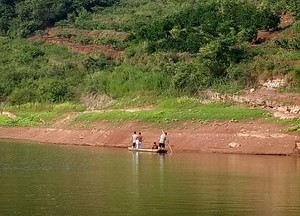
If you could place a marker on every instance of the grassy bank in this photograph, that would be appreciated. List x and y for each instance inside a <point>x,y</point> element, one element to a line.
<point>164,111</point>
<point>36,114</point>
<point>151,110</point>
<point>203,113</point>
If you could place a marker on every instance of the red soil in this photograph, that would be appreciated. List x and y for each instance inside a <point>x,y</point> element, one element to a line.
<point>51,37</point>
<point>251,137</point>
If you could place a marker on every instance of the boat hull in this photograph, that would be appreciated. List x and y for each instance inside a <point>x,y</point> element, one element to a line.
<point>160,151</point>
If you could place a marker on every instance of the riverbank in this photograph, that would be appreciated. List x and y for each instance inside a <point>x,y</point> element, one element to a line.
<point>251,137</point>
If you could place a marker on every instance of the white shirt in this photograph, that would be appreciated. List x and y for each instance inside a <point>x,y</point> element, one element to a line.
<point>163,138</point>
<point>134,136</point>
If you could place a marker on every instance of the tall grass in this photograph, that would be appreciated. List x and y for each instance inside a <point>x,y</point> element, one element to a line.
<point>128,80</point>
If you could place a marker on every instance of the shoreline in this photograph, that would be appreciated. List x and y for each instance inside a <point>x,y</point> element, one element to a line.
<point>249,138</point>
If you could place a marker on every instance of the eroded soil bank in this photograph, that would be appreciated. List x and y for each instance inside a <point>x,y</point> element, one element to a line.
<point>252,137</point>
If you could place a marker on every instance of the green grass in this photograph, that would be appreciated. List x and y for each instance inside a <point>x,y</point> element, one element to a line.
<point>293,125</point>
<point>3,120</point>
<point>37,114</point>
<point>46,107</point>
<point>295,128</point>
<point>24,119</point>
<point>211,112</point>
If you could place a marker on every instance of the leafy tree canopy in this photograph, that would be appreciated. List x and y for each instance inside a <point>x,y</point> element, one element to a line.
<point>20,18</point>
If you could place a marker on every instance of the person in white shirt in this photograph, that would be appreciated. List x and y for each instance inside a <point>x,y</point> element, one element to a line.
<point>133,139</point>
<point>163,140</point>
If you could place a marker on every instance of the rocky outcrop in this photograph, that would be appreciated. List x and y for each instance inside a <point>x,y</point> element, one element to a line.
<point>282,105</point>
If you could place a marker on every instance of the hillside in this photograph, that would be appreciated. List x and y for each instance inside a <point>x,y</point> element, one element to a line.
<point>134,54</point>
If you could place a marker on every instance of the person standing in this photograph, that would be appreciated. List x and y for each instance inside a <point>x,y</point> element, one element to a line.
<point>133,139</point>
<point>139,140</point>
<point>163,140</point>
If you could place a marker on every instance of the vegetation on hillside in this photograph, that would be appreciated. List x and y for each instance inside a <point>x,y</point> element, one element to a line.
<point>20,18</point>
<point>35,72</point>
<point>174,48</point>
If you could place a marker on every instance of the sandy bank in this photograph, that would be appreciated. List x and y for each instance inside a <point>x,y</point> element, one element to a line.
<point>217,137</point>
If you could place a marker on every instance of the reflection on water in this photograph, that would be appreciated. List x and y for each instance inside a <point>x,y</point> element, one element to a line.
<point>62,180</point>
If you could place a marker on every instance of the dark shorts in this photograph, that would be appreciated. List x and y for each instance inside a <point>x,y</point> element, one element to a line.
<point>133,144</point>
<point>162,145</point>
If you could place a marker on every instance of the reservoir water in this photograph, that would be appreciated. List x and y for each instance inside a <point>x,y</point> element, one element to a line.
<point>38,179</point>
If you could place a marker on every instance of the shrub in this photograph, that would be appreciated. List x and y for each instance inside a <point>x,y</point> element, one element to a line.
<point>197,26</point>
<point>288,44</point>
<point>191,77</point>
<point>83,39</point>
<point>22,18</point>
<point>65,34</point>
<point>115,43</point>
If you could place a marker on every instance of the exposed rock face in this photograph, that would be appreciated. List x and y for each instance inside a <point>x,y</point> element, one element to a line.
<point>282,105</point>
<point>275,83</point>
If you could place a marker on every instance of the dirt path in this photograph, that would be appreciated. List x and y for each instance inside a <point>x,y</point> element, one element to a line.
<point>218,137</point>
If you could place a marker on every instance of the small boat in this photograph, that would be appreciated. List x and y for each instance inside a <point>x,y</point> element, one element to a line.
<point>160,151</point>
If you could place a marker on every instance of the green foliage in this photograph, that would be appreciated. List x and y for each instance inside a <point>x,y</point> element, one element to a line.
<point>128,14</point>
<point>197,26</point>
<point>176,48</point>
<point>35,114</point>
<point>115,43</point>
<point>127,80</point>
<point>83,39</point>
<point>23,17</point>
<point>65,34</point>
<point>280,6</point>
<point>97,63</point>
<point>27,119</point>
<point>178,103</point>
<point>289,43</point>
<point>45,107</point>
<point>191,77</point>
<point>32,72</point>
<point>295,128</point>
<point>295,84</point>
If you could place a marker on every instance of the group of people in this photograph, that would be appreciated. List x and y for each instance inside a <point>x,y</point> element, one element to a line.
<point>137,140</point>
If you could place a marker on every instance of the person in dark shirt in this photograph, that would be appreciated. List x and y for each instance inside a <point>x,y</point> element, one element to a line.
<point>139,141</point>
<point>155,146</point>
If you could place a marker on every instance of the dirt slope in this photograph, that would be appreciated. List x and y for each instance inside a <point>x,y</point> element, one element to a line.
<point>51,37</point>
<point>218,137</point>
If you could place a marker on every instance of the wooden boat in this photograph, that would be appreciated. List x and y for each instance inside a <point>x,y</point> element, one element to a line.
<point>160,151</point>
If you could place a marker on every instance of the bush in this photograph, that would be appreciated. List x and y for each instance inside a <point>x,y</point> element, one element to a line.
<point>22,18</point>
<point>65,34</point>
<point>34,72</point>
<point>82,39</point>
<point>22,95</point>
<point>197,26</point>
<point>115,43</point>
<point>191,78</point>
<point>288,44</point>
<point>127,80</point>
